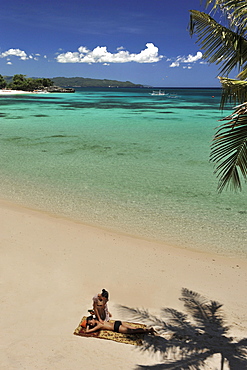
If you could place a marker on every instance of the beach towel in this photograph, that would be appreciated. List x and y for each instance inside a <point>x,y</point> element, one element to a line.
<point>134,339</point>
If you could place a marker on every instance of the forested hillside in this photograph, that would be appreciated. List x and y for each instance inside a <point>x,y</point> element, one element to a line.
<point>90,82</point>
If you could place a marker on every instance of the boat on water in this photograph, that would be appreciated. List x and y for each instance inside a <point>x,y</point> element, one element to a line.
<point>40,92</point>
<point>162,93</point>
<point>158,92</point>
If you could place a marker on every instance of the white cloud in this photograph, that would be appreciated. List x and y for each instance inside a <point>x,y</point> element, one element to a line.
<point>192,58</point>
<point>174,64</point>
<point>101,55</point>
<point>15,52</point>
<point>186,59</point>
<point>21,54</point>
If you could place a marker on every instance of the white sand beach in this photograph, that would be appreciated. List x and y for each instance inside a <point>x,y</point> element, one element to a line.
<point>51,267</point>
<point>6,92</point>
<point>13,92</point>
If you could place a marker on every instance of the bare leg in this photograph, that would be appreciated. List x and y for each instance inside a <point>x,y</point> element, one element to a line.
<point>125,328</point>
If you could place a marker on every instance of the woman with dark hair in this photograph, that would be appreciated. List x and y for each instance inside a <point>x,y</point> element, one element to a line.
<point>100,307</point>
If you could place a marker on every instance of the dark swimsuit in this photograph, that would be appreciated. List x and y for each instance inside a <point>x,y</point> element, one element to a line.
<point>116,326</point>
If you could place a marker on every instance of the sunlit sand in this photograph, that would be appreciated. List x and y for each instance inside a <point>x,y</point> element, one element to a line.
<point>51,268</point>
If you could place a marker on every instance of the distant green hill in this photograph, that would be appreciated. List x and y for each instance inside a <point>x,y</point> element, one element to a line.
<point>83,82</point>
<point>90,82</point>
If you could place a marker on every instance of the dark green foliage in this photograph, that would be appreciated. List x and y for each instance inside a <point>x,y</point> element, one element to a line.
<point>20,82</point>
<point>90,82</point>
<point>229,149</point>
<point>3,83</point>
<point>225,44</point>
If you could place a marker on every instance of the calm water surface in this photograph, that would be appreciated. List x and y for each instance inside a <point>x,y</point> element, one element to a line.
<point>125,160</point>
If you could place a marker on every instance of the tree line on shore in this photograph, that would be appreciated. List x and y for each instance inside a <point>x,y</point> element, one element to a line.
<point>91,82</point>
<point>21,82</point>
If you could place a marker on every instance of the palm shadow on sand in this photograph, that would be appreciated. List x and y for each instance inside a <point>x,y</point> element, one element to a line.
<point>186,340</point>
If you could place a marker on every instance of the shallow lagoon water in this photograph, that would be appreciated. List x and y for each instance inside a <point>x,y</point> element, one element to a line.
<point>125,160</point>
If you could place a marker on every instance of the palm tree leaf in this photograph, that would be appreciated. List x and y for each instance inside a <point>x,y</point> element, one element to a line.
<point>178,324</point>
<point>175,316</point>
<point>229,152</point>
<point>243,74</point>
<point>157,344</point>
<point>221,45</point>
<point>233,91</point>
<point>144,316</point>
<point>243,343</point>
<point>206,314</point>
<point>237,362</point>
<point>234,10</point>
<point>192,299</point>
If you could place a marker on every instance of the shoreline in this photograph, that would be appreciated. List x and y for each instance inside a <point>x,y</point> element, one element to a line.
<point>179,244</point>
<point>52,266</point>
<point>17,92</point>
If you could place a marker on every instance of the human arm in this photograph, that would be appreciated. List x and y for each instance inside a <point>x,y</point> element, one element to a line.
<point>95,328</point>
<point>108,314</point>
<point>97,313</point>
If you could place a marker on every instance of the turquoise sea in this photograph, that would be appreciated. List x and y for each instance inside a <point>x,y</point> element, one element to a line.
<point>125,160</point>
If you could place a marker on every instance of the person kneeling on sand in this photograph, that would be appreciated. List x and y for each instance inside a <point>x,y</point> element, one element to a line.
<point>116,326</point>
<point>100,308</point>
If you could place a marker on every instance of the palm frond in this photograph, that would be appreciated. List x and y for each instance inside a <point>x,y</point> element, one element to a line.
<point>191,295</point>
<point>229,149</point>
<point>220,44</point>
<point>206,313</point>
<point>194,303</point>
<point>233,91</point>
<point>215,315</point>
<point>237,361</point>
<point>243,343</point>
<point>174,316</point>
<point>235,11</point>
<point>156,344</point>
<point>179,325</point>
<point>242,75</point>
<point>144,316</point>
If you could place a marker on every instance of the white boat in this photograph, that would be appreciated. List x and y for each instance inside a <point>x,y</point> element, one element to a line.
<point>40,92</point>
<point>158,92</point>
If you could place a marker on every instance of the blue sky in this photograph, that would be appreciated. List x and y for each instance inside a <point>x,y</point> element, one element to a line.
<point>143,41</point>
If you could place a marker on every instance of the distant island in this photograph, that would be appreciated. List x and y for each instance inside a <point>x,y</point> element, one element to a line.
<point>91,82</point>
<point>58,84</point>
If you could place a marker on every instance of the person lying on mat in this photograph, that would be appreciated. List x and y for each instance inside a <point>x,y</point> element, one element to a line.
<point>117,326</point>
<point>100,308</point>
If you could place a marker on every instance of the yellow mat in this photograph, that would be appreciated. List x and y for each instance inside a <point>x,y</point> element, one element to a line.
<point>134,339</point>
